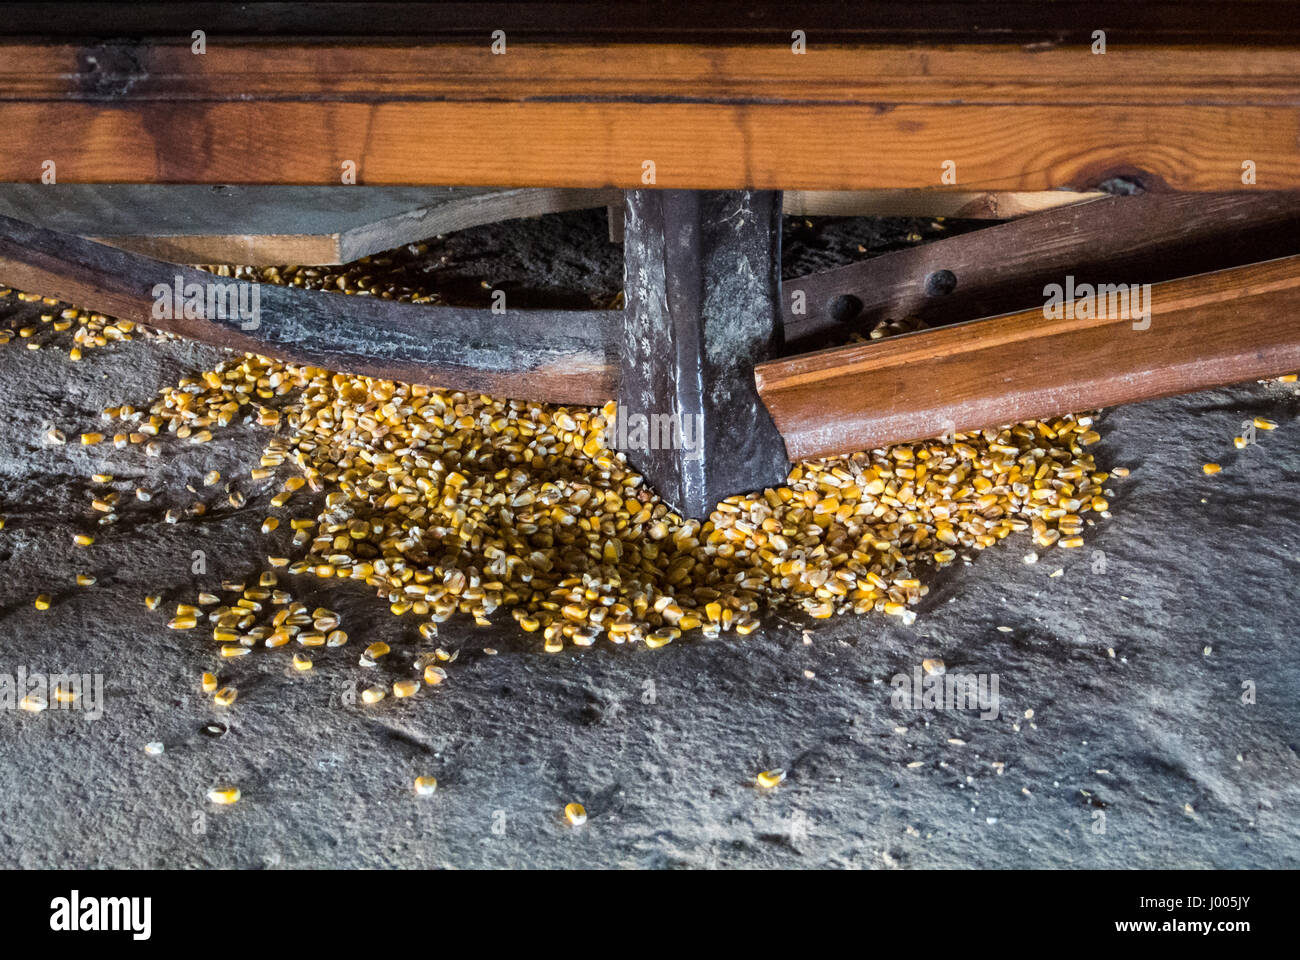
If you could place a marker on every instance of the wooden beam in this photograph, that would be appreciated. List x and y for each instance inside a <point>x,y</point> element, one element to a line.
<point>1204,331</point>
<point>564,356</point>
<point>703,272</point>
<point>1139,239</point>
<point>718,22</point>
<point>261,225</point>
<point>936,202</point>
<point>1000,118</point>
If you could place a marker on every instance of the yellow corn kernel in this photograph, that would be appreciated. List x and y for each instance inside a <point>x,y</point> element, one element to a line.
<point>224,795</point>
<point>575,813</point>
<point>209,683</point>
<point>770,778</point>
<point>434,675</point>
<point>426,785</point>
<point>225,696</point>
<point>405,688</point>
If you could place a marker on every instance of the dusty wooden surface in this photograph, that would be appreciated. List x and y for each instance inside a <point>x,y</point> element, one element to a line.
<point>1141,239</point>
<point>262,225</point>
<point>566,356</point>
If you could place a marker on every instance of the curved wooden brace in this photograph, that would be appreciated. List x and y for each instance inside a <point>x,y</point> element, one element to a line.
<point>561,356</point>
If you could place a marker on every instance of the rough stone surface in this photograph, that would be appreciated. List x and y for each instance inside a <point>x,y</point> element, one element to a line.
<point>662,746</point>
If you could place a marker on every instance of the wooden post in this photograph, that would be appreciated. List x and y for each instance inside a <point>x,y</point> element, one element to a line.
<point>703,292</point>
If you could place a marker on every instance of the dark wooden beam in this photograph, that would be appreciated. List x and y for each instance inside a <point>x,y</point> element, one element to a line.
<point>901,21</point>
<point>1137,239</point>
<point>1204,331</point>
<point>262,225</point>
<point>702,282</point>
<point>561,356</point>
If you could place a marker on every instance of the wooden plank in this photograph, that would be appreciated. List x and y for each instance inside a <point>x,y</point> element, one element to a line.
<point>263,225</point>
<point>1137,239</point>
<point>956,204</point>
<point>847,118</point>
<point>1204,331</point>
<point>259,225</point>
<point>721,21</point>
<point>564,356</point>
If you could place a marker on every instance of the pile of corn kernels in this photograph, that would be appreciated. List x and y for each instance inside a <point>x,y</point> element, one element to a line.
<point>446,503</point>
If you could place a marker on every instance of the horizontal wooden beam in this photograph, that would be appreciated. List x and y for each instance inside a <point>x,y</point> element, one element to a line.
<point>564,356</point>
<point>262,225</point>
<point>992,118</point>
<point>935,202</point>
<point>1203,331</point>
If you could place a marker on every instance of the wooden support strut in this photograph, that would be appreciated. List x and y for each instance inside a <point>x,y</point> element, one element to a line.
<point>1203,331</point>
<point>1138,239</point>
<point>564,356</point>
<point>702,287</point>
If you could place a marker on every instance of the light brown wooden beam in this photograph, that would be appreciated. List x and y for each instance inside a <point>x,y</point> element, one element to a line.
<point>837,118</point>
<point>1205,331</point>
<point>960,204</point>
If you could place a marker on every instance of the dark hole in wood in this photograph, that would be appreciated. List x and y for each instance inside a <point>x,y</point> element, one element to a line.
<point>940,283</point>
<point>844,308</point>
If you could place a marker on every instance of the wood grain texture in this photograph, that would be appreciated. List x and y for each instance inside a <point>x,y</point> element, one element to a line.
<point>1138,239</point>
<point>958,204</point>
<point>703,276</point>
<point>567,356</point>
<point>1205,331</point>
<point>260,225</point>
<point>839,118</point>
